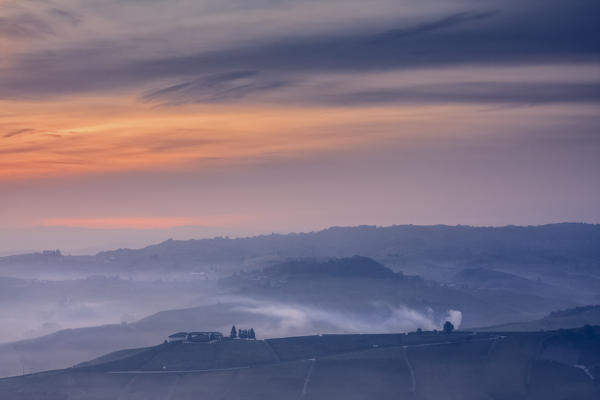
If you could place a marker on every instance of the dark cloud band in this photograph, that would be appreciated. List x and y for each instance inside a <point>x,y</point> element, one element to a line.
<point>559,32</point>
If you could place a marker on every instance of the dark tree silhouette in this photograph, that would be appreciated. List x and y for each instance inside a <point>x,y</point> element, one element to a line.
<point>252,334</point>
<point>448,327</point>
<point>233,333</point>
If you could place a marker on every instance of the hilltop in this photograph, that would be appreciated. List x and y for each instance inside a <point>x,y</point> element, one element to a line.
<point>349,267</point>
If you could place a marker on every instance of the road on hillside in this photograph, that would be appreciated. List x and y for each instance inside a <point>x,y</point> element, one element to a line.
<point>313,360</point>
<point>189,371</point>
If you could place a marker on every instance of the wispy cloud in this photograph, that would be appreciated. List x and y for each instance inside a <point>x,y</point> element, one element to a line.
<point>67,16</point>
<point>192,70</point>
<point>18,132</point>
<point>216,88</point>
<point>445,22</point>
<point>23,26</point>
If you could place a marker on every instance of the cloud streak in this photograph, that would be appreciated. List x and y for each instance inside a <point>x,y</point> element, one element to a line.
<point>476,92</point>
<point>216,88</point>
<point>23,26</point>
<point>67,16</point>
<point>18,132</point>
<point>445,22</point>
<point>511,33</point>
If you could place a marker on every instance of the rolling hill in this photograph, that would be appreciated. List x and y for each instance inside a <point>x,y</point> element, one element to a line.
<point>361,284</point>
<point>542,365</point>
<point>564,254</point>
<point>295,297</point>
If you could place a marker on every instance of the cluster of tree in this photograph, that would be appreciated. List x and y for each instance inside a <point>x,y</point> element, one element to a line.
<point>448,327</point>
<point>242,333</point>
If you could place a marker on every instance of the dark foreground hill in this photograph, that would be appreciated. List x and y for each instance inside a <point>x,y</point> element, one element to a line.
<point>541,365</point>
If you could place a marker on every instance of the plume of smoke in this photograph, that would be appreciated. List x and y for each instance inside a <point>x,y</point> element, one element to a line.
<point>454,316</point>
<point>295,319</point>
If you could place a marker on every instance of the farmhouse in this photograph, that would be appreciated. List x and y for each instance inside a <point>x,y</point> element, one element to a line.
<point>197,337</point>
<point>204,336</point>
<point>177,337</point>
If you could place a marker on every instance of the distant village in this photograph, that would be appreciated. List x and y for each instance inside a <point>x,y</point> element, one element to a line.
<point>210,337</point>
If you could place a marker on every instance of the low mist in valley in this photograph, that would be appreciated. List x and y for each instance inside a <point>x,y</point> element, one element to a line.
<point>299,200</point>
<point>405,278</point>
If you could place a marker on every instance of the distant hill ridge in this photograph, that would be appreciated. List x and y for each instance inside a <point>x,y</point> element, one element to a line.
<point>565,243</point>
<point>539,235</point>
<point>577,311</point>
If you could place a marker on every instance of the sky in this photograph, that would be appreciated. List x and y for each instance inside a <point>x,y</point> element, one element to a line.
<point>128,122</point>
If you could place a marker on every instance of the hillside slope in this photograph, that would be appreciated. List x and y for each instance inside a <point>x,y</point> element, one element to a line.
<point>564,319</point>
<point>299,296</point>
<point>332,367</point>
<point>360,284</point>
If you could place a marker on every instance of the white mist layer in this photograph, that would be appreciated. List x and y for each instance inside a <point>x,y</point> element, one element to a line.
<point>299,319</point>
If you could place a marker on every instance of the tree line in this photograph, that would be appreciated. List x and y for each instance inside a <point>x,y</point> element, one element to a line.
<point>242,333</point>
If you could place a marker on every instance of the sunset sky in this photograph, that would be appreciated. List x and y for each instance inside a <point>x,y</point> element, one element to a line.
<point>126,122</point>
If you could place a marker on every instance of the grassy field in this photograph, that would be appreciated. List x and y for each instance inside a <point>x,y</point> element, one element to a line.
<point>349,367</point>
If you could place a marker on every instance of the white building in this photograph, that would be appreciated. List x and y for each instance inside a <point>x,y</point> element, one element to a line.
<point>177,337</point>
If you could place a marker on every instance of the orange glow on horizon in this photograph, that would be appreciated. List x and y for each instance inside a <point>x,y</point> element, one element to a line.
<point>145,222</point>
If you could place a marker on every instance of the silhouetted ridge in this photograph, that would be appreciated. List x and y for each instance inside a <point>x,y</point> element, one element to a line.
<point>570,312</point>
<point>485,275</point>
